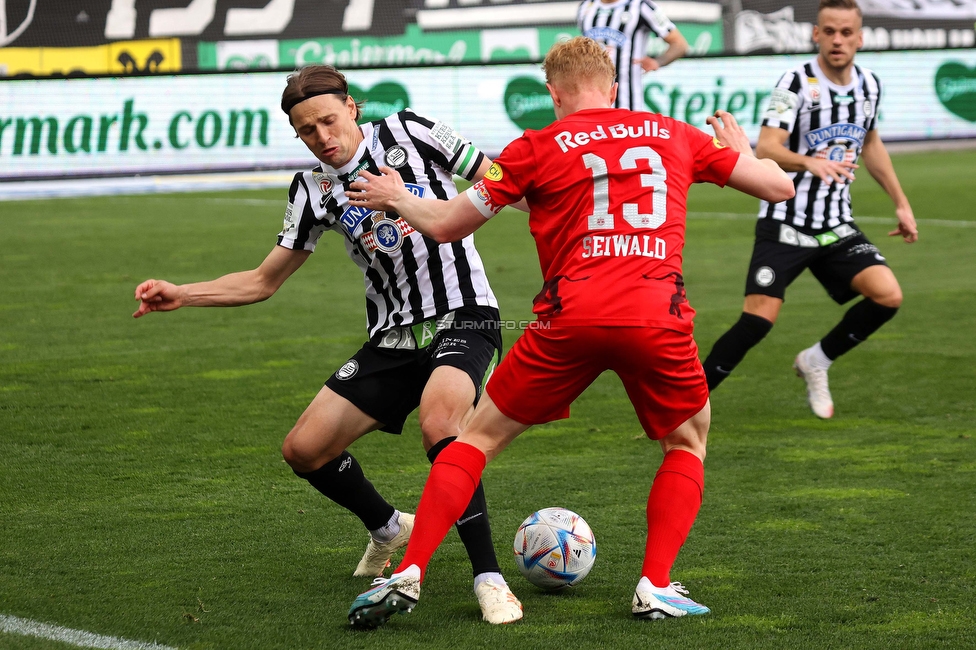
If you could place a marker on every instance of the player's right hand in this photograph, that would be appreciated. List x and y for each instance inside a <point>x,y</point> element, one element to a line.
<point>157,295</point>
<point>830,170</point>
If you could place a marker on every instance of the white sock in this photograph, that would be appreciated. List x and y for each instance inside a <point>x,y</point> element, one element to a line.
<point>818,358</point>
<point>413,571</point>
<point>494,577</point>
<point>646,584</point>
<point>389,531</point>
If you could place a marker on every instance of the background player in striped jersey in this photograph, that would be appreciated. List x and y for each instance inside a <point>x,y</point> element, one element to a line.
<point>432,318</point>
<point>608,191</point>
<point>623,27</point>
<point>822,117</point>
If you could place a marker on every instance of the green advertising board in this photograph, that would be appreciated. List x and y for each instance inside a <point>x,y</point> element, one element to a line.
<point>418,48</point>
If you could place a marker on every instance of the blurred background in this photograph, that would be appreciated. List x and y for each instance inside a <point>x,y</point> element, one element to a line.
<point>108,96</point>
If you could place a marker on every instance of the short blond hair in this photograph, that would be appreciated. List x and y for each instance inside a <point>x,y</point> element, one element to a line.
<point>579,61</point>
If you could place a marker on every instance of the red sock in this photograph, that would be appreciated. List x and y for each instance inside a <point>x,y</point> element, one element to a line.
<point>672,506</point>
<point>452,481</point>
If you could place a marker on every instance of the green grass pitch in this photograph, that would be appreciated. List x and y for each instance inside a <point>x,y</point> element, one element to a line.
<point>143,495</point>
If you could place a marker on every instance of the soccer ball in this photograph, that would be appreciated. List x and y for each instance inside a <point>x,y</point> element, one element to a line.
<point>554,548</point>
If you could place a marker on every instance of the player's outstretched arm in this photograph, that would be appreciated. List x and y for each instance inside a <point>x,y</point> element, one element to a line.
<point>231,290</point>
<point>762,179</point>
<point>442,221</point>
<point>878,162</point>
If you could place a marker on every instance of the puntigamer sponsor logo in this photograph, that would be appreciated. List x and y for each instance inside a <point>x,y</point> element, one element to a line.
<point>850,132</point>
<point>131,130</point>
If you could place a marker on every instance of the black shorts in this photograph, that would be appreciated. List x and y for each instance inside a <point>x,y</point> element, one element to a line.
<point>776,264</point>
<point>386,377</point>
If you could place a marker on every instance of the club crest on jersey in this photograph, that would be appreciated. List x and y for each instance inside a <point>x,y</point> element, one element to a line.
<point>395,157</point>
<point>868,108</point>
<point>814,85</point>
<point>386,233</point>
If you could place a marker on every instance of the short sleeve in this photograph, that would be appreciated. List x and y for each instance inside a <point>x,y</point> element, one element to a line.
<point>713,161</point>
<point>876,109</point>
<point>506,181</point>
<point>785,103</point>
<point>441,144</point>
<point>655,19</point>
<point>301,230</point>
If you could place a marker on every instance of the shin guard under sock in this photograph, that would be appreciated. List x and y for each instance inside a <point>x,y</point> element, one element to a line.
<point>473,526</point>
<point>672,506</point>
<point>453,479</point>
<point>343,481</point>
<point>861,321</point>
<point>732,347</point>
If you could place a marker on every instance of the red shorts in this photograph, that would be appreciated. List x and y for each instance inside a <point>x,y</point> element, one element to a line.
<point>547,369</point>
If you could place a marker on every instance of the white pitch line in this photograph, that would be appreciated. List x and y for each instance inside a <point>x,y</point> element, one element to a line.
<point>80,638</point>
<point>952,223</point>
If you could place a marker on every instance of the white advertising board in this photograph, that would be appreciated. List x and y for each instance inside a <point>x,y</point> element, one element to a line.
<point>77,128</point>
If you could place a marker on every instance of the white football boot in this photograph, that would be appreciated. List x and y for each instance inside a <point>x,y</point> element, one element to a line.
<point>378,554</point>
<point>818,393</point>
<point>498,604</point>
<point>652,602</point>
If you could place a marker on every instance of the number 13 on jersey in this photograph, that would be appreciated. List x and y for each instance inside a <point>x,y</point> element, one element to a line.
<point>634,158</point>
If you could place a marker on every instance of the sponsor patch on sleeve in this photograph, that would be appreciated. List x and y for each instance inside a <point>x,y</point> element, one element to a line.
<point>446,136</point>
<point>494,172</point>
<point>718,145</point>
<point>479,195</point>
<point>290,225</point>
<point>782,106</point>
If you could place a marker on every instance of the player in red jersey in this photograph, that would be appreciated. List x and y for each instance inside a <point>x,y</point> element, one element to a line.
<point>607,191</point>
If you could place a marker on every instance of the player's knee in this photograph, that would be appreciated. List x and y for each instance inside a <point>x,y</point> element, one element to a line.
<point>892,297</point>
<point>304,454</point>
<point>438,425</point>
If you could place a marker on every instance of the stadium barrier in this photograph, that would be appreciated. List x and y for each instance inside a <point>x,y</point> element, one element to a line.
<point>58,130</point>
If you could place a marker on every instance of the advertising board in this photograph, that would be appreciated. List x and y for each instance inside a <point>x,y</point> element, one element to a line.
<point>66,128</point>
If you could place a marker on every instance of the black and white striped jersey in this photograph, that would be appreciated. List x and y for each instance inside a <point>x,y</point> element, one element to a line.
<point>623,27</point>
<point>409,278</point>
<point>827,121</point>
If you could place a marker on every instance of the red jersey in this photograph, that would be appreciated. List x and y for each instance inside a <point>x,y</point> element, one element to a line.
<point>607,191</point>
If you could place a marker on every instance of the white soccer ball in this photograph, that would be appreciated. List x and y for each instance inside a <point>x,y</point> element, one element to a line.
<point>554,548</point>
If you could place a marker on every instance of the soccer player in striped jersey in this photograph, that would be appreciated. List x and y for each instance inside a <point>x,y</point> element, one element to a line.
<point>822,119</point>
<point>434,330</point>
<point>623,27</point>
<point>608,191</point>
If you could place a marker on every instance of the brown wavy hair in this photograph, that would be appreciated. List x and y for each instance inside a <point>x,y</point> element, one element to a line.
<point>313,80</point>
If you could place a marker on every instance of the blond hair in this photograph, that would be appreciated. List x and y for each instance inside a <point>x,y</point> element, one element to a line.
<point>579,61</point>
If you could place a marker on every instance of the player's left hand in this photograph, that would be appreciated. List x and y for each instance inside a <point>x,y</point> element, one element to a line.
<point>907,227</point>
<point>648,64</point>
<point>376,192</point>
<point>729,133</point>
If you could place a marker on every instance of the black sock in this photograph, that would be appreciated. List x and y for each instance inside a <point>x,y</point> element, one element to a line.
<point>343,481</point>
<point>732,346</point>
<point>861,321</point>
<point>473,526</point>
